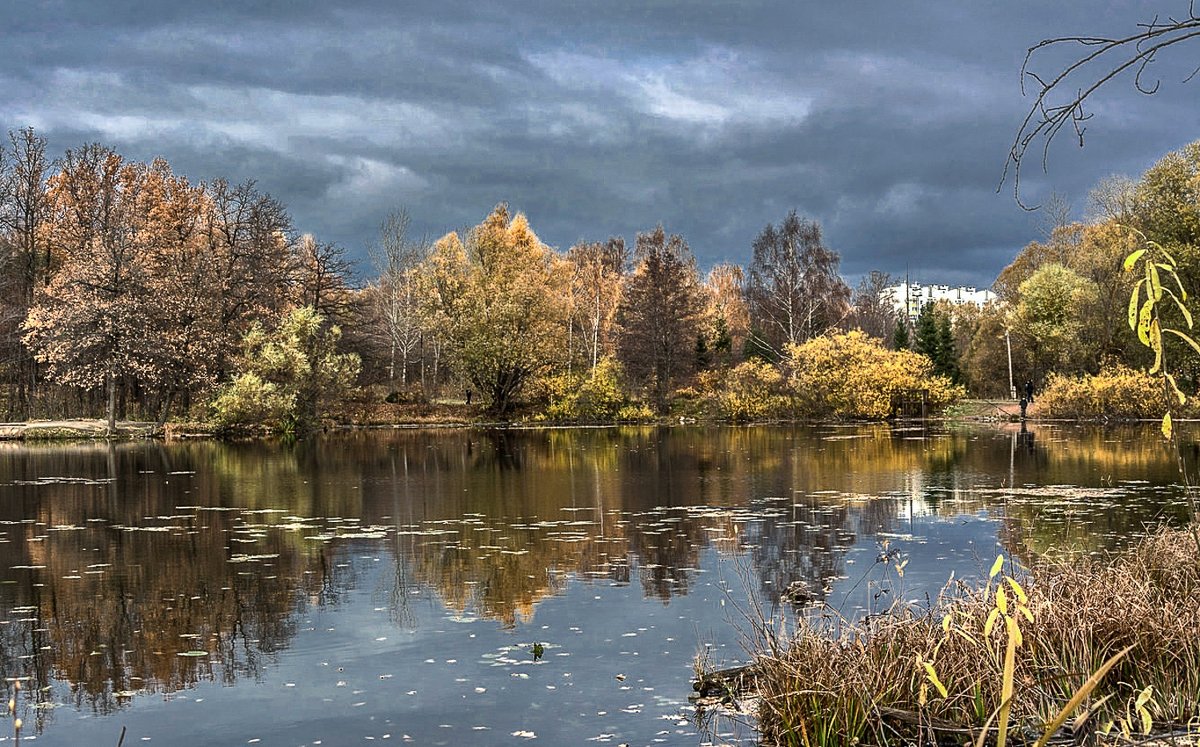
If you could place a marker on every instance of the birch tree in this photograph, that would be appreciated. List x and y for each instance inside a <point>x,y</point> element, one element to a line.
<point>794,289</point>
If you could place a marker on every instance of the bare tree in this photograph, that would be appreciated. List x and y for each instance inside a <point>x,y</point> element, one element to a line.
<point>1112,198</point>
<point>794,289</point>
<point>394,295</point>
<point>1063,92</point>
<point>874,311</point>
<point>324,278</point>
<point>24,211</point>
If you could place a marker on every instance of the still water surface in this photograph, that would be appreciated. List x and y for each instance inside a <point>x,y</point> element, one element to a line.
<point>390,586</point>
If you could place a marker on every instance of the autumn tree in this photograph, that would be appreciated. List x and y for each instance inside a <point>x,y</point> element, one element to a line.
<point>397,315</point>
<point>25,254</point>
<point>794,288</point>
<point>659,313</point>
<point>984,361</point>
<point>1049,317</point>
<point>726,317</point>
<point>88,324</point>
<point>247,238</point>
<point>183,315</point>
<point>597,273</point>
<point>498,298</point>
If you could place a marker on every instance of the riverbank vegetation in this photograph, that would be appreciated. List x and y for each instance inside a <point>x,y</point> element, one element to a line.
<point>129,291</point>
<point>1007,657</point>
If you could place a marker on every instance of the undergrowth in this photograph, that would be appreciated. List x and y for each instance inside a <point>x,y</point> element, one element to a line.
<point>1003,662</point>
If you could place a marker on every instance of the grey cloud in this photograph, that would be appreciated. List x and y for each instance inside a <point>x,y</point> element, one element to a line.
<point>887,122</point>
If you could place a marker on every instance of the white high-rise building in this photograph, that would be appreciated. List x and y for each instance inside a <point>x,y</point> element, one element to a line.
<point>911,297</point>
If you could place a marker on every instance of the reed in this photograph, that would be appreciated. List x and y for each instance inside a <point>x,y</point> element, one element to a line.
<point>1091,646</point>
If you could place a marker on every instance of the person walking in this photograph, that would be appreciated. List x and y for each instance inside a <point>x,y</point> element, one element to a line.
<point>1029,391</point>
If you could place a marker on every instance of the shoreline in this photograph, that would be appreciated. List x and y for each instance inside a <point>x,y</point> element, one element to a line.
<point>91,429</point>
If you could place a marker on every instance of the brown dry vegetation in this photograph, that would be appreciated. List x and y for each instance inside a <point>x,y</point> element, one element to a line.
<point>869,684</point>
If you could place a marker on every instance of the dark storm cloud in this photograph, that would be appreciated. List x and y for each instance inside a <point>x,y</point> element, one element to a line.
<point>888,124</point>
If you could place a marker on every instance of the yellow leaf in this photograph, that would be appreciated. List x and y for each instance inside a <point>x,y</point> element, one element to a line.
<point>1133,304</point>
<point>1175,388</point>
<point>996,566</point>
<point>991,622</point>
<point>1144,696</point>
<point>934,679</point>
<point>1132,259</point>
<point>1185,338</point>
<point>1012,582</point>
<point>1014,631</point>
<point>1143,325</point>
<point>1166,426</point>
<point>1147,722</point>
<point>946,624</point>
<point>1001,601</point>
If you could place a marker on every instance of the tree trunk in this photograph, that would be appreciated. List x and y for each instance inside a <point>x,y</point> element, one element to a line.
<point>112,402</point>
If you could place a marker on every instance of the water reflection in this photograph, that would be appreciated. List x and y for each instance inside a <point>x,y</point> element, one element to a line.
<point>139,568</point>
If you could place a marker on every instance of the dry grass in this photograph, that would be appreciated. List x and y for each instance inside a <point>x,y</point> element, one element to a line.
<point>867,683</point>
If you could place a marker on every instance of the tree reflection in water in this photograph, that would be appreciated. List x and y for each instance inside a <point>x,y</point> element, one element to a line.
<point>118,561</point>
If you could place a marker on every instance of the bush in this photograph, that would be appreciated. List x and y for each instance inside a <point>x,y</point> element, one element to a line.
<point>597,396</point>
<point>248,400</point>
<point>753,390</point>
<point>289,375</point>
<point>1117,393</point>
<point>637,412</point>
<point>852,375</point>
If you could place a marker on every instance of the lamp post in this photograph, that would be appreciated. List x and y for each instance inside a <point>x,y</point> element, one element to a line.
<point>1012,388</point>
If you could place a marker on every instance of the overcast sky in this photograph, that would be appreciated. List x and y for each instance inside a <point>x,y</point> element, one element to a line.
<point>888,123</point>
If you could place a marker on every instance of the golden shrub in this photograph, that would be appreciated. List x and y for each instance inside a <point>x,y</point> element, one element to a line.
<point>852,375</point>
<point>1116,393</point>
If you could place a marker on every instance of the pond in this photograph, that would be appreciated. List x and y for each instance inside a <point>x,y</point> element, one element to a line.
<point>499,587</point>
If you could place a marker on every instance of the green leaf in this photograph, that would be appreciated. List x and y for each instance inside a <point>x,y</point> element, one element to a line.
<point>1144,696</point>
<point>1132,259</point>
<point>1155,282</point>
<point>1165,253</point>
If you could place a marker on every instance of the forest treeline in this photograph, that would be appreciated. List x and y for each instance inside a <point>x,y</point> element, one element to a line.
<point>130,291</point>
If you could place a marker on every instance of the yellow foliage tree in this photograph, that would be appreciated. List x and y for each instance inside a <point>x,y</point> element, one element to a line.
<point>499,299</point>
<point>852,375</point>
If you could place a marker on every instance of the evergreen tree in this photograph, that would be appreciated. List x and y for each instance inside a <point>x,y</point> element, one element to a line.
<point>703,358</point>
<point>900,338</point>
<point>945,361</point>
<point>926,341</point>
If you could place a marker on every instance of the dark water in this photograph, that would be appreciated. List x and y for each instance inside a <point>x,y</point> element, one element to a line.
<point>390,586</point>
